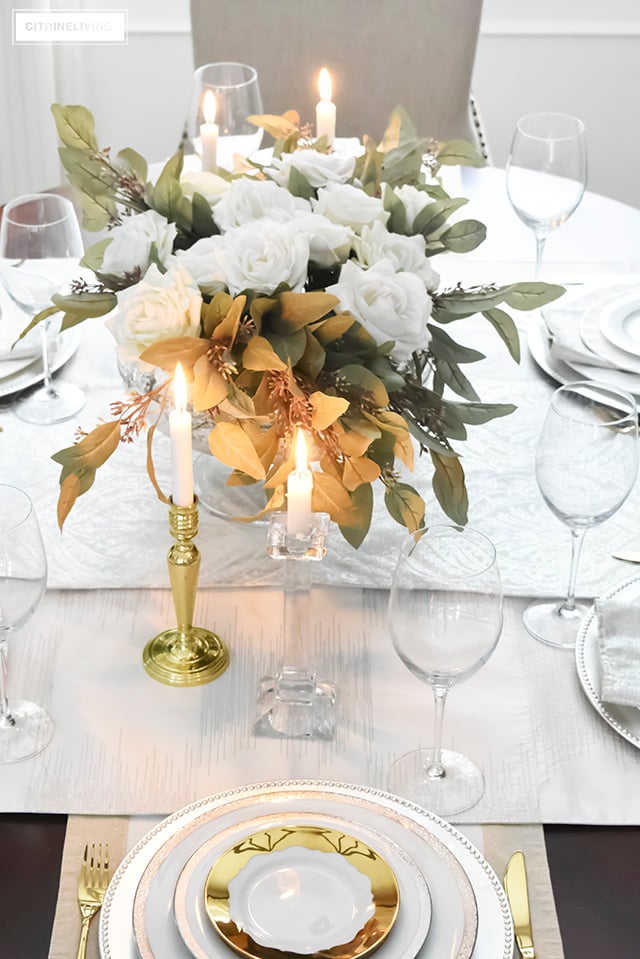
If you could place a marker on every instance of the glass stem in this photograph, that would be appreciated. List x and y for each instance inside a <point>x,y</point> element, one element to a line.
<point>436,770</point>
<point>6,719</point>
<point>577,539</point>
<point>46,366</point>
<point>541,239</point>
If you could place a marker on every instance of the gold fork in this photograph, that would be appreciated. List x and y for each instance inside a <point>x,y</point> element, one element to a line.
<point>92,885</point>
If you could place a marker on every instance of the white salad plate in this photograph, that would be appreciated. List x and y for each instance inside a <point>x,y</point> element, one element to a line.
<point>61,350</point>
<point>593,338</point>
<point>625,720</point>
<point>620,323</point>
<point>438,850</point>
<point>409,930</point>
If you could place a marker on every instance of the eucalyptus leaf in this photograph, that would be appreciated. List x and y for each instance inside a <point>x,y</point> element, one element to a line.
<point>133,161</point>
<point>475,414</point>
<point>405,506</point>
<point>449,487</point>
<point>289,348</point>
<point>76,127</point>
<point>459,153</point>
<point>443,346</point>
<point>365,380</point>
<point>451,374</point>
<point>435,214</point>
<point>88,173</point>
<point>362,511</point>
<point>298,185</point>
<point>94,256</point>
<point>506,330</point>
<point>464,236</point>
<point>202,220</point>
<point>530,296</point>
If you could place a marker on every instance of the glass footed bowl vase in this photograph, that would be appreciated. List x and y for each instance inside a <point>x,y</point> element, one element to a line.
<point>209,474</point>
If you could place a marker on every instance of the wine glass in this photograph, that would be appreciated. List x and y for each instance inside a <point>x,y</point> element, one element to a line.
<point>586,465</point>
<point>237,96</point>
<point>546,173</point>
<point>445,619</point>
<point>40,245</point>
<point>25,728</point>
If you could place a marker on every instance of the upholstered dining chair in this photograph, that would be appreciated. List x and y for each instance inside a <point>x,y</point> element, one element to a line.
<point>417,53</point>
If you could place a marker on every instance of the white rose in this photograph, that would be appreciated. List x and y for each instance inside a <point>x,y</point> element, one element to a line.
<point>157,308</point>
<point>205,262</point>
<point>406,254</point>
<point>130,244</point>
<point>390,305</point>
<point>329,243</point>
<point>207,184</point>
<point>347,205</point>
<point>413,201</point>
<point>318,169</point>
<point>261,255</point>
<point>248,200</point>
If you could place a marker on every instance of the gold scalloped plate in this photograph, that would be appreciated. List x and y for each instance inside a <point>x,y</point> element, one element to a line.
<point>368,862</point>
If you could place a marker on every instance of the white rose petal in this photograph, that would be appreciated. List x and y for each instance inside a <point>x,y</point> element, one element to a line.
<point>205,262</point>
<point>248,200</point>
<point>130,245</point>
<point>329,243</point>
<point>159,307</point>
<point>318,169</point>
<point>390,305</point>
<point>261,255</point>
<point>406,254</point>
<point>208,185</point>
<point>349,206</point>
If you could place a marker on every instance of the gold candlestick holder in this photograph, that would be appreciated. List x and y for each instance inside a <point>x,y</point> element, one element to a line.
<point>185,655</point>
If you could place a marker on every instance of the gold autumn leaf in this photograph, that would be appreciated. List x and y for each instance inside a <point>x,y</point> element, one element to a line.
<point>93,450</point>
<point>230,444</point>
<point>300,309</point>
<point>259,355</point>
<point>449,487</point>
<point>312,361</point>
<point>185,350</point>
<point>227,329</point>
<point>353,443</point>
<point>326,409</point>
<point>69,492</point>
<point>390,422</point>
<point>209,386</point>
<point>330,496</point>
<point>275,125</point>
<point>326,331</point>
<point>266,445</point>
<point>403,449</point>
<point>359,470</point>
<point>213,313</point>
<point>328,465</point>
<point>278,474</point>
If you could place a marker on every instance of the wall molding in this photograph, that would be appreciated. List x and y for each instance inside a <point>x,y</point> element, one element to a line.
<point>560,28</point>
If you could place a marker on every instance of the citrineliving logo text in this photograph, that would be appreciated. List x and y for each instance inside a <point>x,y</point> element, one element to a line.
<point>69,26</point>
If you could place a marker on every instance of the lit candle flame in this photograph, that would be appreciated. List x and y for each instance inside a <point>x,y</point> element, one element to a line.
<point>209,107</point>
<point>179,389</point>
<point>324,85</point>
<point>301,452</point>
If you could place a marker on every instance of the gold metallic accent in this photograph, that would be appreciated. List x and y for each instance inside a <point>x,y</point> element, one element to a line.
<point>517,890</point>
<point>384,888</point>
<point>185,655</point>
<point>92,886</point>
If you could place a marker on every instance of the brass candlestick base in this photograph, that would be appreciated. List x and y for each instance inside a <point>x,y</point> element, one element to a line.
<point>185,655</point>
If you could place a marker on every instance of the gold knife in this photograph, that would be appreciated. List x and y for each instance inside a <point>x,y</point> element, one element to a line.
<point>517,890</point>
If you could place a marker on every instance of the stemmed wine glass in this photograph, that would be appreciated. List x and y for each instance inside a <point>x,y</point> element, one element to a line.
<point>40,245</point>
<point>445,619</point>
<point>237,96</point>
<point>546,173</point>
<point>586,465</point>
<point>25,728</point>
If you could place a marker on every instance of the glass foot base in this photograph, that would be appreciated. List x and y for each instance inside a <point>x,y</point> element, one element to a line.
<point>549,622</point>
<point>226,502</point>
<point>295,705</point>
<point>460,788</point>
<point>32,731</point>
<point>44,408</point>
<point>177,659</point>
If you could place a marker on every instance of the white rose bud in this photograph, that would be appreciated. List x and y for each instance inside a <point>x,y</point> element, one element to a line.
<point>318,169</point>
<point>390,306</point>
<point>261,255</point>
<point>159,307</point>
<point>349,206</point>
<point>205,262</point>
<point>209,185</point>
<point>248,200</point>
<point>406,254</point>
<point>130,246</point>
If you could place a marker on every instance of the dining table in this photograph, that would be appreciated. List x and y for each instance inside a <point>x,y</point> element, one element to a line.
<point>561,782</point>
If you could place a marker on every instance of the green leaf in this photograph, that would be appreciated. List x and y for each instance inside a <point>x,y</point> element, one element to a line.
<point>202,220</point>
<point>298,185</point>
<point>131,160</point>
<point>444,347</point>
<point>362,507</point>
<point>82,306</point>
<point>397,222</point>
<point>38,318</point>
<point>464,236</point>
<point>459,153</point>
<point>506,330</point>
<point>368,382</point>
<point>435,214</point>
<point>428,440</point>
<point>76,127</point>
<point>290,348</point>
<point>478,413</point>
<point>405,506</point>
<point>98,212</point>
<point>88,173</point>
<point>451,374</point>
<point>311,362</point>
<point>464,303</point>
<point>94,256</point>
<point>530,296</point>
<point>449,487</point>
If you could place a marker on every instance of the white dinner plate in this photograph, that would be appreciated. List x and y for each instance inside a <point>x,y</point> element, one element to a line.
<point>396,819</point>
<point>593,338</point>
<point>61,350</point>
<point>407,935</point>
<point>624,719</point>
<point>620,323</point>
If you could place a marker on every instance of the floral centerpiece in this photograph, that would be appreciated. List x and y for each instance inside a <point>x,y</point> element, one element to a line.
<point>295,294</point>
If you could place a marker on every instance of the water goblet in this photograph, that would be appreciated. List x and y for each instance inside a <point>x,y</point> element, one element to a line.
<point>586,464</point>
<point>445,619</point>
<point>237,96</point>
<point>25,728</point>
<point>40,245</point>
<point>546,173</point>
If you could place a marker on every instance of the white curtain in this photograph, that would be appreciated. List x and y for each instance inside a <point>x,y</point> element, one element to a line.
<point>32,77</point>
